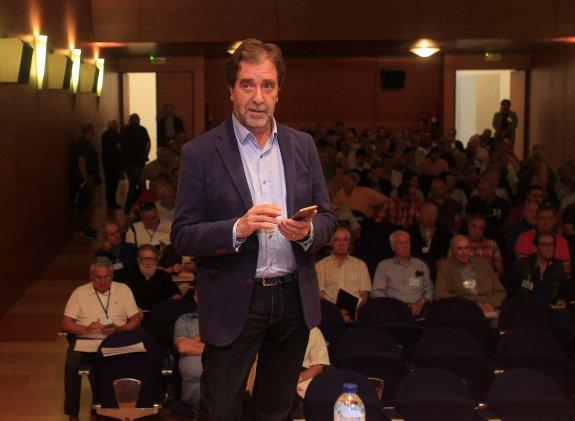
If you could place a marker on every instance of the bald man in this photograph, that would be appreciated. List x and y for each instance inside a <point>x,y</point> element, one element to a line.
<point>468,277</point>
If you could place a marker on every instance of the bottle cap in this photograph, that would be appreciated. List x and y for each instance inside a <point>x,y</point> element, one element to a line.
<point>350,388</point>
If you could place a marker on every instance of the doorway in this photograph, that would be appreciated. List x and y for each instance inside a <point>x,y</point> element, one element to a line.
<point>139,96</point>
<point>477,97</point>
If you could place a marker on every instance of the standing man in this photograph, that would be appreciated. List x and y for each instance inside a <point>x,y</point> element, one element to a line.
<point>240,184</point>
<point>169,126</point>
<point>505,122</point>
<point>135,144</point>
<point>111,163</point>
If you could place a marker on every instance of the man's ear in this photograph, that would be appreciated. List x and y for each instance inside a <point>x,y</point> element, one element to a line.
<point>231,89</point>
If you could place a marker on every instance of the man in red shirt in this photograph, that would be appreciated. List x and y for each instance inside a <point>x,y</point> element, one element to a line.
<point>402,210</point>
<point>545,224</point>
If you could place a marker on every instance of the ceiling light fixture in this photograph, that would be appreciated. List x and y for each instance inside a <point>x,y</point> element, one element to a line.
<point>424,48</point>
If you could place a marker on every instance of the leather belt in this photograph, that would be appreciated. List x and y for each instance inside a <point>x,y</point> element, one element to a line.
<point>277,280</point>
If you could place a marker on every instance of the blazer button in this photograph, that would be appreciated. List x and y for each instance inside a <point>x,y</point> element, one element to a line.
<point>249,281</point>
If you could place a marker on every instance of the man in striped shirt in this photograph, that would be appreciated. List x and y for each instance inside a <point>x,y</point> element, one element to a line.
<point>484,247</point>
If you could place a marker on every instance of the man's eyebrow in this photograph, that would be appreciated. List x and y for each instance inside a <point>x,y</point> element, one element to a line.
<point>245,80</point>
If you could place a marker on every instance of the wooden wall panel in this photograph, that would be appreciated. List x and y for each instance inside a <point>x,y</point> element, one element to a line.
<point>201,20</point>
<point>331,89</point>
<point>177,89</point>
<point>116,20</point>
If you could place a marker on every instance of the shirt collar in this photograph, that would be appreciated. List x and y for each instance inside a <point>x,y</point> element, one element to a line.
<point>242,133</point>
<point>112,289</point>
<point>397,261</point>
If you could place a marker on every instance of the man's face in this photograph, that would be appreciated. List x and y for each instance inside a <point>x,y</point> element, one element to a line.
<point>340,242</point>
<point>169,111</point>
<point>101,278</point>
<point>147,262</point>
<point>505,106</point>
<point>529,213</point>
<point>402,245</point>
<point>449,183</point>
<point>485,191</point>
<point>112,234</point>
<point>348,184</point>
<point>255,94</point>
<point>150,219</point>
<point>546,247</point>
<point>546,221</point>
<point>428,216</point>
<point>536,196</point>
<point>476,228</point>
<point>460,250</point>
<point>438,190</point>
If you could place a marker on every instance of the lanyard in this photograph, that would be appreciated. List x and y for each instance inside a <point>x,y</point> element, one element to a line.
<point>102,304</point>
<point>152,234</point>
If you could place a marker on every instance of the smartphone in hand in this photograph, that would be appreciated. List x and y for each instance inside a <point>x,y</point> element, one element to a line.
<point>303,213</point>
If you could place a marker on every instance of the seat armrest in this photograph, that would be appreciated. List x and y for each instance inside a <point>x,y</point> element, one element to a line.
<point>390,414</point>
<point>168,365</point>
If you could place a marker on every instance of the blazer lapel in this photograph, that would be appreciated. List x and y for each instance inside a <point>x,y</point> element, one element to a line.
<point>287,148</point>
<point>228,148</point>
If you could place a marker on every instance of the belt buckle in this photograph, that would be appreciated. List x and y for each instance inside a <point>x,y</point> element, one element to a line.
<point>266,283</point>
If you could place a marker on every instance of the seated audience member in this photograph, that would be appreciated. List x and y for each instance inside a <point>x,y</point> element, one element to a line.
<point>379,178</point>
<point>345,216</point>
<point>166,204</point>
<point>315,359</point>
<point>527,222</point>
<point>151,229</point>
<point>433,165</point>
<point>339,270</point>
<point>493,208</point>
<point>546,223</point>
<point>535,194</point>
<point>403,209</point>
<point>568,199</point>
<point>361,165</point>
<point>403,277</point>
<point>540,276</point>
<point>148,283</point>
<point>188,342</point>
<point>564,184</point>
<point>471,278</point>
<point>122,255</point>
<point>360,199</point>
<point>162,165</point>
<point>452,192</point>
<point>450,212</point>
<point>92,312</point>
<point>429,239</point>
<point>484,247</point>
<point>336,181</point>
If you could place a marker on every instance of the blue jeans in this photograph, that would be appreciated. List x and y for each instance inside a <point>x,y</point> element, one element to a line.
<point>191,371</point>
<point>275,330</point>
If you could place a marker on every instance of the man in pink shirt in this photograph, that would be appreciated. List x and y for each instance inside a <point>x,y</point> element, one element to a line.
<point>545,224</point>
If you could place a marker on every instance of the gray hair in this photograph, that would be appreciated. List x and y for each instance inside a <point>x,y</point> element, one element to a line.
<point>393,236</point>
<point>101,262</point>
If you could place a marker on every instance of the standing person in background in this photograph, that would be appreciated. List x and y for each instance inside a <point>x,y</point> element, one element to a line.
<point>169,126</point>
<point>241,183</point>
<point>505,122</point>
<point>85,169</point>
<point>111,163</point>
<point>135,144</point>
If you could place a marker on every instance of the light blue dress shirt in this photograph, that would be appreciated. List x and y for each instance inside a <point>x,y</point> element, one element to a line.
<point>265,175</point>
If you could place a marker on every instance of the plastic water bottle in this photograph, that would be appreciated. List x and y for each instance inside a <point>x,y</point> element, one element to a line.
<point>349,406</point>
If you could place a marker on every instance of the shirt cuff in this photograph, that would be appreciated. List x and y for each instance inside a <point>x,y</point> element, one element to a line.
<point>307,241</point>
<point>237,242</point>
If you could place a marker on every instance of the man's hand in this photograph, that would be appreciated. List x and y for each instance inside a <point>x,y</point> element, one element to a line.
<point>95,327</point>
<point>486,307</point>
<point>560,304</point>
<point>258,217</point>
<point>417,307</point>
<point>109,330</point>
<point>296,230</point>
<point>346,316</point>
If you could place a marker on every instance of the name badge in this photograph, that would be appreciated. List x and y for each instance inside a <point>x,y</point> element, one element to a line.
<point>415,282</point>
<point>425,249</point>
<point>527,284</point>
<point>469,284</point>
<point>106,321</point>
<point>118,266</point>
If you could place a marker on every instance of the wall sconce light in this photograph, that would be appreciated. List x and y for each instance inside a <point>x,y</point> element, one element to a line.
<point>100,82</point>
<point>40,42</point>
<point>15,60</point>
<point>234,47</point>
<point>88,77</point>
<point>424,49</point>
<point>75,55</point>
<point>59,71</point>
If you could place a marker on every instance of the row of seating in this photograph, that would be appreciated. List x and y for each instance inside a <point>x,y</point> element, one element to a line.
<point>430,394</point>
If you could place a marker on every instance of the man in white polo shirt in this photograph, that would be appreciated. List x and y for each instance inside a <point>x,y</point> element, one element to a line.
<point>94,310</point>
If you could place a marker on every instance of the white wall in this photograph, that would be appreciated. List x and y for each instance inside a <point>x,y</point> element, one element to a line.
<point>140,98</point>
